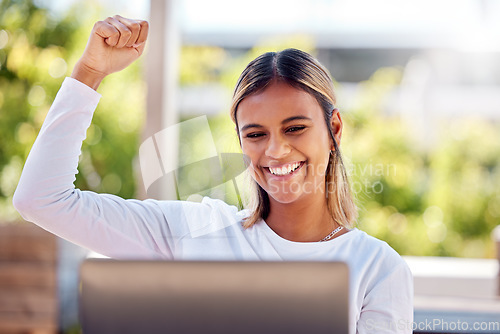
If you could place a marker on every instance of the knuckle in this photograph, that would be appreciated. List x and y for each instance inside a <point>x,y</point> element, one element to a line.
<point>136,26</point>
<point>99,25</point>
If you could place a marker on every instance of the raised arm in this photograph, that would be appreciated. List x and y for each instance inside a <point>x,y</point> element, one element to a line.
<point>46,194</point>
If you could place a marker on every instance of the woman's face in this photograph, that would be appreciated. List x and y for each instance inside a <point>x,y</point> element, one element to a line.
<point>283,132</point>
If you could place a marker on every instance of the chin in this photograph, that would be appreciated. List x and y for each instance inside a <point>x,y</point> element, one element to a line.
<point>284,197</point>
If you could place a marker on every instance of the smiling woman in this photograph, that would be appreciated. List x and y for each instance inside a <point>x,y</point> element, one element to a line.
<point>287,123</point>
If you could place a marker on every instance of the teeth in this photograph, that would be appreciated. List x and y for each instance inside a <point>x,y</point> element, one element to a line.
<point>285,169</point>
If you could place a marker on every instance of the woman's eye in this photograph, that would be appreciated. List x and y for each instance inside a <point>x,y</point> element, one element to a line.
<point>254,135</point>
<point>295,128</point>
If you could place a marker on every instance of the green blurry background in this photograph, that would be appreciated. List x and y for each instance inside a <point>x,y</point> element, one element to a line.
<point>441,199</point>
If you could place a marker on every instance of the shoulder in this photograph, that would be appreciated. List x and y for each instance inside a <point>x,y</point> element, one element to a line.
<point>380,257</point>
<point>370,245</point>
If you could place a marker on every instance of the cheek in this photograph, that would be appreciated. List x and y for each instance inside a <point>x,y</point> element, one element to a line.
<point>318,166</point>
<point>320,156</point>
<point>250,150</point>
<point>253,155</point>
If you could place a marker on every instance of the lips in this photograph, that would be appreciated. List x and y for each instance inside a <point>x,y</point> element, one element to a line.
<point>285,169</point>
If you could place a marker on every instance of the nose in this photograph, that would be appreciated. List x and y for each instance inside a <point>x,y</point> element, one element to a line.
<point>277,147</point>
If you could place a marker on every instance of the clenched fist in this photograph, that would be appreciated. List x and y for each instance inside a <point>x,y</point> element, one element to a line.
<point>113,45</point>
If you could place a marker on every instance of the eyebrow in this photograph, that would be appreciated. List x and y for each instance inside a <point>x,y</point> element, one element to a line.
<point>286,120</point>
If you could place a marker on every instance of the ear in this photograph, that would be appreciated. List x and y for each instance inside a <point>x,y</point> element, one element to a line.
<point>336,124</point>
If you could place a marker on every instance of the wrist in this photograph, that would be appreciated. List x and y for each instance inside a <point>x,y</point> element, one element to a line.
<point>86,75</point>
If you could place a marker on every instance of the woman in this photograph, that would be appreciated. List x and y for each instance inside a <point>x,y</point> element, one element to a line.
<point>287,124</point>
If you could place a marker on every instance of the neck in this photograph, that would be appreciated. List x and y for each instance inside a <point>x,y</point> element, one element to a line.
<point>306,220</point>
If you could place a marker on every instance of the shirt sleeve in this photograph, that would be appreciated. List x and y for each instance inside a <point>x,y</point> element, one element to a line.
<point>46,194</point>
<point>388,304</point>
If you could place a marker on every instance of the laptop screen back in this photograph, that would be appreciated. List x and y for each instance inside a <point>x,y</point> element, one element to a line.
<point>213,297</point>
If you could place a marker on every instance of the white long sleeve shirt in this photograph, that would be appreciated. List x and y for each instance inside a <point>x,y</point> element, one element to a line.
<point>381,284</point>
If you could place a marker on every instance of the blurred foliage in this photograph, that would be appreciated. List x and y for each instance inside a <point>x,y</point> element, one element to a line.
<point>37,50</point>
<point>440,199</point>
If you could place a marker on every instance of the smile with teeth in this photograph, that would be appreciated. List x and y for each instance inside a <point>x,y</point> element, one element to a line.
<point>285,169</point>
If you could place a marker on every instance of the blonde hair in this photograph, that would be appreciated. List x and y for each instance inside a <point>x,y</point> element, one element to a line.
<point>302,71</point>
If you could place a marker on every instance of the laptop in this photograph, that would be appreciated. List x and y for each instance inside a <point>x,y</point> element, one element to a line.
<point>191,297</point>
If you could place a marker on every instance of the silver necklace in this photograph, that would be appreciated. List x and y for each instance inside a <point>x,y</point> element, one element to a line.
<point>332,234</point>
